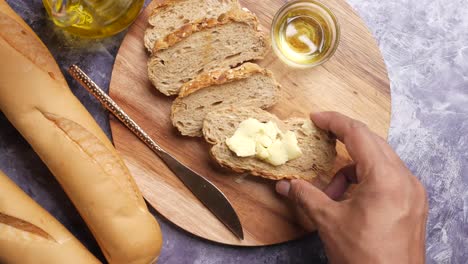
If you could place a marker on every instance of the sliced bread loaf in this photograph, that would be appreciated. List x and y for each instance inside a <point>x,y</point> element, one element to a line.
<point>248,84</point>
<point>173,14</point>
<point>205,46</point>
<point>317,146</point>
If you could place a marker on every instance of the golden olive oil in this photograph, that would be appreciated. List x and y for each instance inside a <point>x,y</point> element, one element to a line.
<point>303,36</point>
<point>93,18</point>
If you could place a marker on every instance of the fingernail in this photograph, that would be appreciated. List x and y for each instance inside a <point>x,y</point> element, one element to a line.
<point>314,115</point>
<point>282,187</point>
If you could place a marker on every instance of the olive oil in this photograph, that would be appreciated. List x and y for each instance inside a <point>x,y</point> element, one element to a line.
<point>303,35</point>
<point>93,18</point>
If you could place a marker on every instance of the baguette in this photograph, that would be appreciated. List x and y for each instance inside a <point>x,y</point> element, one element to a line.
<point>30,235</point>
<point>173,14</point>
<point>317,146</point>
<point>248,84</point>
<point>211,44</point>
<point>35,97</point>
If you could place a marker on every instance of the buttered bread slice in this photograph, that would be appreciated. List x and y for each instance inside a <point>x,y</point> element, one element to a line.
<point>212,44</point>
<point>170,15</point>
<point>317,146</point>
<point>248,84</point>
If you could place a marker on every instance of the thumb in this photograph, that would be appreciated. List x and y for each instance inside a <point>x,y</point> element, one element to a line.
<point>315,203</point>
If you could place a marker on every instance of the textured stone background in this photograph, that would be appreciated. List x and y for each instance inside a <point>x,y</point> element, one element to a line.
<point>425,46</point>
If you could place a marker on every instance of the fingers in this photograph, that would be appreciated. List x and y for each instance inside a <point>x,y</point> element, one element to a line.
<point>341,182</point>
<point>360,142</point>
<point>337,123</point>
<point>283,187</point>
<point>314,202</point>
<point>385,147</point>
<point>304,220</point>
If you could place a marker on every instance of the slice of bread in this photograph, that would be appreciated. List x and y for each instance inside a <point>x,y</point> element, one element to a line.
<point>173,14</point>
<point>209,45</point>
<point>248,84</point>
<point>317,146</point>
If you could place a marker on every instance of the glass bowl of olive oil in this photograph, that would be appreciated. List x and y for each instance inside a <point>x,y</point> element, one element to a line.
<point>305,33</point>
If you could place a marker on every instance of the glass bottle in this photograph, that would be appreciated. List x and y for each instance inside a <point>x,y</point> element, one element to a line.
<point>93,18</point>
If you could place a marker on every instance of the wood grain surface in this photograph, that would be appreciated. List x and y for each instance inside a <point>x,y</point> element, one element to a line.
<point>353,82</point>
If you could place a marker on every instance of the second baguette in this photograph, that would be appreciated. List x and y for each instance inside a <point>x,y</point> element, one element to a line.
<point>30,235</point>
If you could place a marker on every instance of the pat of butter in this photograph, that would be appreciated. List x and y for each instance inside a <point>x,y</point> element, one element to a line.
<point>264,141</point>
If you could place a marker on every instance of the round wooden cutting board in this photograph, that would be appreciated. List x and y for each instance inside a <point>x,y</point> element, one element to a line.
<point>353,82</point>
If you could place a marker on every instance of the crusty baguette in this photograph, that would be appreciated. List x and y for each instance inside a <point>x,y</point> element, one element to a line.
<point>170,15</point>
<point>30,235</point>
<point>35,97</point>
<point>317,146</point>
<point>248,84</point>
<point>205,46</point>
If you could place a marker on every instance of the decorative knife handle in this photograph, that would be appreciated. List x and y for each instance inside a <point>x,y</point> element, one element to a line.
<point>112,106</point>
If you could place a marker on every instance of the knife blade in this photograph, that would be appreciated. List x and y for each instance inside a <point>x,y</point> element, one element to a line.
<point>204,190</point>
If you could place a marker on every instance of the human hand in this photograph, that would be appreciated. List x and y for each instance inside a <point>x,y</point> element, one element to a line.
<point>384,219</point>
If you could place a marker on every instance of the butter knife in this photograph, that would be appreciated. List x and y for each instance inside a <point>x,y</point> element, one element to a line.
<point>212,197</point>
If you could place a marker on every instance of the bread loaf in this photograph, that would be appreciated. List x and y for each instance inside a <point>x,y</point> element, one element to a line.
<point>173,14</point>
<point>248,84</point>
<point>35,98</point>
<point>205,46</point>
<point>317,146</point>
<point>30,235</point>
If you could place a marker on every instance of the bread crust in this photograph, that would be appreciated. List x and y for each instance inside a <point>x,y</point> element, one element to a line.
<point>268,175</point>
<point>161,5</point>
<point>234,15</point>
<point>218,77</point>
<point>165,9</point>
<point>309,175</point>
<point>212,82</point>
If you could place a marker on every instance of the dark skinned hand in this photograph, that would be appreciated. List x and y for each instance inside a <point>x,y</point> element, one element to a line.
<point>384,219</point>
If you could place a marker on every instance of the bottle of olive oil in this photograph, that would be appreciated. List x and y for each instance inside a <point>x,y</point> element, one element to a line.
<point>93,18</point>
